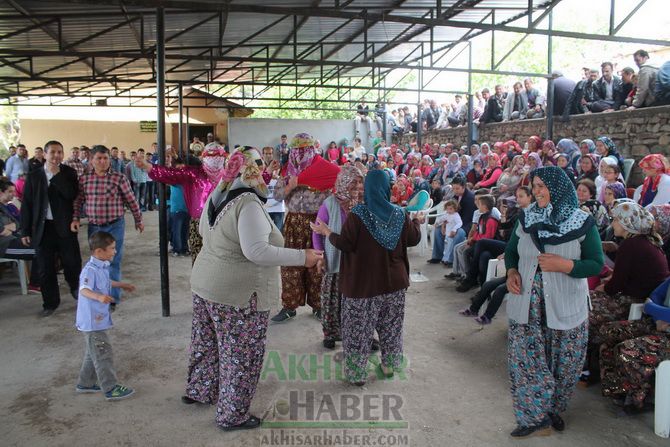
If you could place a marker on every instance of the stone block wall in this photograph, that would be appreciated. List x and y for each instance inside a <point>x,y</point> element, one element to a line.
<point>636,133</point>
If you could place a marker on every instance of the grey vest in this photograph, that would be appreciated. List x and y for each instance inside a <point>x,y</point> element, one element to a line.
<point>566,298</point>
<point>335,224</point>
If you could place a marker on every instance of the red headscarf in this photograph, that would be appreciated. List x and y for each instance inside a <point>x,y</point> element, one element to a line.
<point>537,140</point>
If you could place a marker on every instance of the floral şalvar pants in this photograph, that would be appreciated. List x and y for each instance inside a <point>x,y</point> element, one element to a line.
<point>360,318</point>
<point>544,364</point>
<point>331,305</point>
<point>226,357</point>
<point>300,285</point>
<point>194,239</point>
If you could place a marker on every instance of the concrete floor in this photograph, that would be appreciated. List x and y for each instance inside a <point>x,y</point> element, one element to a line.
<point>455,394</point>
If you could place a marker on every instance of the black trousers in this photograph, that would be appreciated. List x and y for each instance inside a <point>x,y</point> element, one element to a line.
<point>483,251</point>
<point>494,291</point>
<point>67,249</point>
<point>16,250</point>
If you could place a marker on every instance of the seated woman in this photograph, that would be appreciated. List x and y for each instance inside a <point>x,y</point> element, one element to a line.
<point>11,246</point>
<point>563,162</point>
<point>418,183</point>
<point>586,194</point>
<point>401,191</point>
<point>465,166</point>
<point>631,281</point>
<point>548,152</point>
<point>588,167</point>
<point>585,147</point>
<point>631,351</point>
<point>612,193</point>
<point>605,147</point>
<point>534,143</point>
<point>510,178</point>
<point>493,172</point>
<point>453,167</point>
<point>655,190</point>
<point>495,290</point>
<point>571,149</point>
<point>476,173</point>
<point>533,161</point>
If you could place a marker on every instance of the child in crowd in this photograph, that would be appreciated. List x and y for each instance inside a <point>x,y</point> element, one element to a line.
<point>451,226</point>
<point>610,174</point>
<point>94,318</point>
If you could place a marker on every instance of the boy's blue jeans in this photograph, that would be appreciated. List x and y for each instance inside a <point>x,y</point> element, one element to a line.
<point>117,229</point>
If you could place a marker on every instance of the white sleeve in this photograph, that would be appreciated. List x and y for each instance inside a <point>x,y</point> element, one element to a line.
<point>663,193</point>
<point>254,231</point>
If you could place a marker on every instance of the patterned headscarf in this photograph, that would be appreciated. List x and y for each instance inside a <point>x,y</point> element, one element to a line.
<point>538,161</point>
<point>537,140</point>
<point>594,163</point>
<point>345,180</point>
<point>561,220</point>
<point>244,170</point>
<point>612,150</point>
<point>618,189</point>
<point>636,220</point>
<point>568,147</point>
<point>213,162</point>
<point>590,144</point>
<point>302,154</point>
<point>662,215</point>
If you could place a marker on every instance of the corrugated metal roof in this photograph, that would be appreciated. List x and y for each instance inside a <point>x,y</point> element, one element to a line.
<point>342,38</point>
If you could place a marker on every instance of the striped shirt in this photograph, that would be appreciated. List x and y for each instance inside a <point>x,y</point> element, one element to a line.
<point>104,196</point>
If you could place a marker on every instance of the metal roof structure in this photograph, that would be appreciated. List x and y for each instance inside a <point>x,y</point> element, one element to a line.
<point>100,49</point>
<point>107,48</point>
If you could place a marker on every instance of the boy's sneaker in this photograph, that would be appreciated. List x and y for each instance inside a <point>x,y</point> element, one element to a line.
<point>283,315</point>
<point>119,392</point>
<point>88,389</point>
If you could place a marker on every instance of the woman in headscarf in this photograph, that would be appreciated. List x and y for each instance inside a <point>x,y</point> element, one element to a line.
<point>533,162</point>
<point>426,166</point>
<point>611,193</point>
<point>402,190</point>
<point>588,167</point>
<point>453,167</point>
<point>466,165</point>
<point>586,194</point>
<point>492,173</point>
<point>585,147</point>
<point>197,182</point>
<point>632,280</point>
<point>476,173</point>
<point>605,147</point>
<point>534,143</point>
<point>552,251</point>
<point>655,190</point>
<point>571,149</point>
<point>374,275</point>
<point>475,152</point>
<point>334,211</point>
<point>233,286</point>
<point>510,178</point>
<point>310,181</point>
<point>661,215</point>
<point>484,152</point>
<point>548,152</point>
<point>563,162</point>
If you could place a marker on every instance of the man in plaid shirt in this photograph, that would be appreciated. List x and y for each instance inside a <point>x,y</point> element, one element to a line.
<point>74,162</point>
<point>103,194</point>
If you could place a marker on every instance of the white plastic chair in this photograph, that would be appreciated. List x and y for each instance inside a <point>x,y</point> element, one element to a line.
<point>21,267</point>
<point>423,244</point>
<point>662,400</point>
<point>495,269</point>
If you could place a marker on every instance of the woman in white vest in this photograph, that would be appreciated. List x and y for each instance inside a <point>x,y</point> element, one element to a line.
<point>333,212</point>
<point>552,251</point>
<point>233,282</point>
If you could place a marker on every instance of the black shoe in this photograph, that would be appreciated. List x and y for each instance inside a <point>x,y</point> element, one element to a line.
<point>374,347</point>
<point>452,275</point>
<point>329,343</point>
<point>252,422</point>
<point>47,312</point>
<point>557,422</point>
<point>112,307</point>
<point>283,315</point>
<point>433,261</point>
<point>542,429</point>
<point>188,401</point>
<point>361,383</point>
<point>448,264</point>
<point>464,286</point>
<point>317,314</point>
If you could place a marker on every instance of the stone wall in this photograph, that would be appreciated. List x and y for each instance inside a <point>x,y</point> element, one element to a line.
<point>636,133</point>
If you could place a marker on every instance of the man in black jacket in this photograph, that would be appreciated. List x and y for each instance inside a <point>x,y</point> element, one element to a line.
<point>607,90</point>
<point>493,112</point>
<point>46,214</point>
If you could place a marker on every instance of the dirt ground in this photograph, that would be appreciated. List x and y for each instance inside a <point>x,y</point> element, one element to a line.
<point>455,392</point>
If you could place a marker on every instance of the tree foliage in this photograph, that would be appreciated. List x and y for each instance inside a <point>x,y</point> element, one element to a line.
<point>10,129</point>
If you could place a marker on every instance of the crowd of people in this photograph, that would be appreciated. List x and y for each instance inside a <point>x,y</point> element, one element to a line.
<point>335,223</point>
<point>599,90</point>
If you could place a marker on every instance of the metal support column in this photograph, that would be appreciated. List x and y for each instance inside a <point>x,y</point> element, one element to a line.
<point>162,205</point>
<point>188,140</point>
<point>471,102</point>
<point>181,121</point>
<point>550,83</point>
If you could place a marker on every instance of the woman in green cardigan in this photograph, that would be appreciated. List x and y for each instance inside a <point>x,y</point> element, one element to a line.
<point>552,251</point>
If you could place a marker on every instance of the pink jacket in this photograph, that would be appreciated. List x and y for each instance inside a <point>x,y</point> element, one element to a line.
<point>193,181</point>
